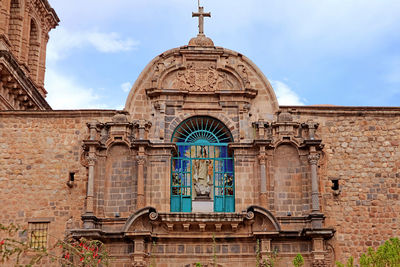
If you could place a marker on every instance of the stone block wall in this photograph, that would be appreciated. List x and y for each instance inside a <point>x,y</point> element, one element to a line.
<point>247,182</point>
<point>158,179</point>
<point>362,151</point>
<point>38,151</point>
<point>291,186</point>
<point>117,187</point>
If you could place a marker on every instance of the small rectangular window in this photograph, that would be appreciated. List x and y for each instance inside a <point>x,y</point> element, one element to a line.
<point>38,234</point>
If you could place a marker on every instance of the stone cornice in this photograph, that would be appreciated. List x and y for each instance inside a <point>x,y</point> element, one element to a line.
<point>59,113</point>
<point>52,12</point>
<point>25,83</point>
<point>341,110</point>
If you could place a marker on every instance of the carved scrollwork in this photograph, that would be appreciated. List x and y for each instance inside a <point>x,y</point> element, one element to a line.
<point>153,215</point>
<point>319,263</point>
<point>244,75</point>
<point>250,215</point>
<point>83,159</point>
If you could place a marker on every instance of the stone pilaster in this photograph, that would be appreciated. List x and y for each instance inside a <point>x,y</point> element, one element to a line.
<point>263,179</point>
<point>265,248</point>
<point>141,159</point>
<point>313,160</point>
<point>139,253</point>
<point>318,253</point>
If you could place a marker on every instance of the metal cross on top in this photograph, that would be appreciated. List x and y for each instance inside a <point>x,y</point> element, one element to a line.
<point>201,16</point>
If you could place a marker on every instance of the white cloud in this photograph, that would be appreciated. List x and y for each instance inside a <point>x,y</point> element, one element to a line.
<point>66,93</point>
<point>110,42</point>
<point>285,95</point>
<point>126,87</point>
<point>62,41</point>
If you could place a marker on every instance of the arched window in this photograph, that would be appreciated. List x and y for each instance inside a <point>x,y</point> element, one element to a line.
<point>15,25</point>
<point>34,46</point>
<point>202,176</point>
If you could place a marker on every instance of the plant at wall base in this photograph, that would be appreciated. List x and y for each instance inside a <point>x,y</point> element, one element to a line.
<point>214,250</point>
<point>152,254</point>
<point>69,252</point>
<point>386,255</point>
<point>271,259</point>
<point>350,263</point>
<point>12,249</point>
<point>82,252</point>
<point>198,264</point>
<point>298,261</point>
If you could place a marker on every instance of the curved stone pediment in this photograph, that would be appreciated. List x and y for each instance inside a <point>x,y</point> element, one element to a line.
<point>201,70</point>
<point>148,221</point>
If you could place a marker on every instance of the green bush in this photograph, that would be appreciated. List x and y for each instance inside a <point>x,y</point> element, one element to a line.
<point>386,255</point>
<point>298,261</point>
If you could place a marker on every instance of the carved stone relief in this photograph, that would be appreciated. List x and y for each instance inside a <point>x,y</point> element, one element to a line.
<point>201,77</point>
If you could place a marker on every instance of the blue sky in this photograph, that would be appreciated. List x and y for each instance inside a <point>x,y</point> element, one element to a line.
<point>340,52</point>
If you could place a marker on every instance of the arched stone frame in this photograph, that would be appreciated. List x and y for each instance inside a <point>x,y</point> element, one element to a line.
<point>219,116</point>
<point>265,213</point>
<point>219,185</point>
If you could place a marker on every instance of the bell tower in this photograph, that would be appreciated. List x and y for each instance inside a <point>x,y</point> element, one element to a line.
<point>24,33</point>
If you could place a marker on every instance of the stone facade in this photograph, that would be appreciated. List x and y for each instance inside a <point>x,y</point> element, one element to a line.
<point>316,180</point>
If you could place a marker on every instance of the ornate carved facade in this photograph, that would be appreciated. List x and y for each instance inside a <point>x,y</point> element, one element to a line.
<point>202,165</point>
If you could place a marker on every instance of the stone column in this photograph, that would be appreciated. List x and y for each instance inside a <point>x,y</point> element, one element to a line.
<point>263,178</point>
<point>313,160</point>
<point>143,127</point>
<point>90,186</point>
<point>140,185</point>
<point>88,217</point>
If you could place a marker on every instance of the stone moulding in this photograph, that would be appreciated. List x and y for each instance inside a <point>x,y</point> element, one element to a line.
<point>253,222</point>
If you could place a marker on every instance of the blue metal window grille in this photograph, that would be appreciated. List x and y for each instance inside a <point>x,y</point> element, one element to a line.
<point>202,148</point>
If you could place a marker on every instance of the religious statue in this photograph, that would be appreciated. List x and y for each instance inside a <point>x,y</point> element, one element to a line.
<point>202,175</point>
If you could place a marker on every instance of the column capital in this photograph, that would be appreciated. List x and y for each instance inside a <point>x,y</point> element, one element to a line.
<point>313,158</point>
<point>262,158</point>
<point>141,160</point>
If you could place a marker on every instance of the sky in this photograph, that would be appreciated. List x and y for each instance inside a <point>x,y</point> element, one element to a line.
<point>338,52</point>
